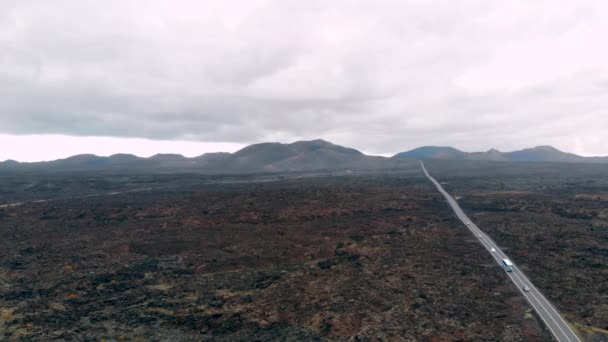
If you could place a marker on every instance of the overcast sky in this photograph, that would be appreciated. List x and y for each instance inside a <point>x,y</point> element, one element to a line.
<point>382,76</point>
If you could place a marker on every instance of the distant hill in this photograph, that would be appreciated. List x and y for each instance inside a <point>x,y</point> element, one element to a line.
<point>297,156</point>
<point>264,157</point>
<point>535,154</point>
<point>432,152</point>
<point>301,155</point>
<point>543,153</point>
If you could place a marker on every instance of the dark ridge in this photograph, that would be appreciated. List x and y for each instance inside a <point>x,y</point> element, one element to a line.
<point>298,156</point>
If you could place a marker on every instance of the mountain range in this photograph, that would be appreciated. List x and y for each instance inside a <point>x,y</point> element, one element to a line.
<point>535,154</point>
<point>297,156</point>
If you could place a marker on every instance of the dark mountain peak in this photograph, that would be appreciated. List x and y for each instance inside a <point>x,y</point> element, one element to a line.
<point>212,155</point>
<point>123,157</point>
<point>167,157</point>
<point>431,152</point>
<point>543,153</point>
<point>214,160</point>
<point>538,153</point>
<point>438,149</point>
<point>85,156</point>
<point>10,164</point>
<point>319,144</point>
<point>442,148</point>
<point>316,142</point>
<point>81,161</point>
<point>546,148</point>
<point>260,147</point>
<point>300,155</point>
<point>264,150</point>
<point>297,156</point>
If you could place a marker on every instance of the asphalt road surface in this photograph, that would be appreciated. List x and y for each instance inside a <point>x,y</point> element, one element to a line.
<point>545,310</point>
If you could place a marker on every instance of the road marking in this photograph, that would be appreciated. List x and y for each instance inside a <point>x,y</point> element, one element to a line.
<point>517,277</point>
<point>525,281</point>
<point>540,303</point>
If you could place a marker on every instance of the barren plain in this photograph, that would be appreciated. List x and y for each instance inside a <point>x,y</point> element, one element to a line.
<point>365,257</point>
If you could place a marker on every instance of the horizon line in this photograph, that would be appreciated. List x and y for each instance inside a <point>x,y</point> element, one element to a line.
<point>192,156</point>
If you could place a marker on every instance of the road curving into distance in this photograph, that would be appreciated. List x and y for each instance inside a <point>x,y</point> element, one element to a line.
<point>545,310</point>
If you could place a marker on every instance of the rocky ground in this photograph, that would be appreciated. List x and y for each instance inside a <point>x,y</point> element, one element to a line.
<point>330,258</point>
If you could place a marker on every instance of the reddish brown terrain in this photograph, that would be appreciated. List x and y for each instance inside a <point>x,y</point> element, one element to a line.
<point>329,258</point>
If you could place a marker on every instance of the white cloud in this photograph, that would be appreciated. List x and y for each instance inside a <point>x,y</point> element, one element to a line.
<point>382,77</point>
<point>30,148</point>
<point>567,42</point>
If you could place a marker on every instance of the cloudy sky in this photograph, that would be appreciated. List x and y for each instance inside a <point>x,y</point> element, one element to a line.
<point>381,76</point>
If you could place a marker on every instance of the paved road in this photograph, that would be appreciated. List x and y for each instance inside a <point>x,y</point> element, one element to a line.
<point>547,312</point>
